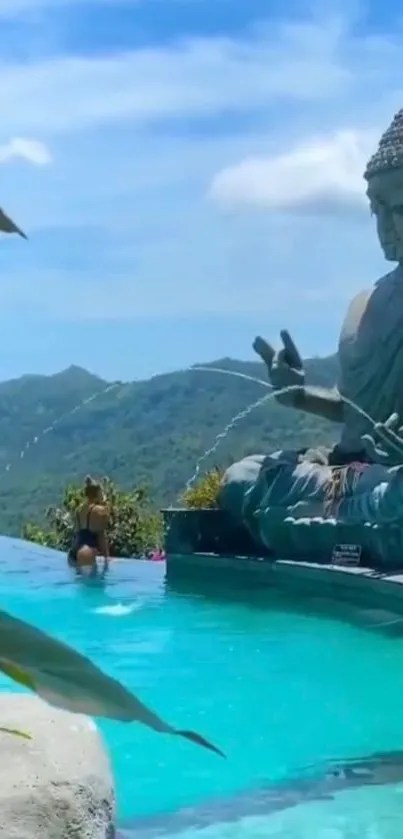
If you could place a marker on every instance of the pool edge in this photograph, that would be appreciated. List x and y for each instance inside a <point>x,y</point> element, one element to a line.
<point>355,584</point>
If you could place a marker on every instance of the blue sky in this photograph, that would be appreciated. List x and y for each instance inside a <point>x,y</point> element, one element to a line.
<point>189,174</point>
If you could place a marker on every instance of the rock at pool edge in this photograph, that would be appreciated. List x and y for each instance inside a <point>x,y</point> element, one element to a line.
<point>58,784</point>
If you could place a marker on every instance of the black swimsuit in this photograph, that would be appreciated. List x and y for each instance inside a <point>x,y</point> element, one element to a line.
<point>83,536</point>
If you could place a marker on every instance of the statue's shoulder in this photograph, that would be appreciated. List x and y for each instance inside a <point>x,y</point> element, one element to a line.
<point>354,314</point>
<point>386,295</point>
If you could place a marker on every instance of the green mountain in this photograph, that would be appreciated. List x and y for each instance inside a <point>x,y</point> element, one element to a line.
<point>154,431</point>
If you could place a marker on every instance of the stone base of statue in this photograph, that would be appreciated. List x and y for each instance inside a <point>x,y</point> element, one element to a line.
<point>284,506</point>
<point>300,509</point>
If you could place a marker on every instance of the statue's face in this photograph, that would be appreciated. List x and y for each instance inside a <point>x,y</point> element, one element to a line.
<point>385,193</point>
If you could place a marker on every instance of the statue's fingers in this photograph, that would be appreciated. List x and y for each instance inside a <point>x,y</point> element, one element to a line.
<point>282,359</point>
<point>265,350</point>
<point>392,422</point>
<point>386,431</point>
<point>391,437</point>
<point>389,431</point>
<point>389,440</point>
<point>293,357</point>
<point>368,443</point>
<point>282,365</point>
<point>372,450</point>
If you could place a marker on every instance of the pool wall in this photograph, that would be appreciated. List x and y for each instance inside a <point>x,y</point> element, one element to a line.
<point>355,584</point>
<point>205,541</point>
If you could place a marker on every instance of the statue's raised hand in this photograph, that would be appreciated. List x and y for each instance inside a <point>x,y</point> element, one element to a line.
<point>385,444</point>
<point>285,367</point>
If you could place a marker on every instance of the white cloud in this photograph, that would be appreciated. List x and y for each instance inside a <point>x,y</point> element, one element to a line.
<point>324,174</point>
<point>303,81</point>
<point>319,65</point>
<point>311,62</point>
<point>199,77</point>
<point>33,151</point>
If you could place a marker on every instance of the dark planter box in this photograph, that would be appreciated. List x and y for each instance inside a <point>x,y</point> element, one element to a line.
<point>207,531</point>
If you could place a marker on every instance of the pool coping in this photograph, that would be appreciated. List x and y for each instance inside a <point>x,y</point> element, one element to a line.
<point>352,583</point>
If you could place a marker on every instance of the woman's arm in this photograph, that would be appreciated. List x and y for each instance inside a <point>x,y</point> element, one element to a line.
<point>103,520</point>
<point>104,545</point>
<point>76,519</point>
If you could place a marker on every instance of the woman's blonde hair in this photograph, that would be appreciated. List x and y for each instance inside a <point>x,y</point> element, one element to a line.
<point>91,488</point>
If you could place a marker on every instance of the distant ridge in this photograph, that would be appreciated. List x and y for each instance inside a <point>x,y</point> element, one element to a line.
<point>152,430</point>
<point>77,375</point>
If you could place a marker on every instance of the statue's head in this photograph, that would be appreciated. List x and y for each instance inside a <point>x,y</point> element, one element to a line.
<point>384,175</point>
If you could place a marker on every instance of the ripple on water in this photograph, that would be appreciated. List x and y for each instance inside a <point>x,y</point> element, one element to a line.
<point>118,610</point>
<point>277,682</point>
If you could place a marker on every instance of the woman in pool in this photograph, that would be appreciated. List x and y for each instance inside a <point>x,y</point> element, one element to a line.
<point>91,522</point>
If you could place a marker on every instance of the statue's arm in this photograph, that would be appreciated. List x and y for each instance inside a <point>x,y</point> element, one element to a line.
<point>287,377</point>
<point>322,402</point>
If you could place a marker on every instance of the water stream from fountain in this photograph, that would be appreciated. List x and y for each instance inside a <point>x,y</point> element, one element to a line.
<point>246,411</point>
<point>36,439</point>
<point>219,437</point>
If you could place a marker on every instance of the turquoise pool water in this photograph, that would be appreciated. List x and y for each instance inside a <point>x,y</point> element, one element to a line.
<point>282,685</point>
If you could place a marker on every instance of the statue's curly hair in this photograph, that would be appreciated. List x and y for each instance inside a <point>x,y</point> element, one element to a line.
<point>390,150</point>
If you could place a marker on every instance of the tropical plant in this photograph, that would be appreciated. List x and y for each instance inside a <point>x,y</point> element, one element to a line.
<point>65,678</point>
<point>15,732</point>
<point>7,225</point>
<point>134,527</point>
<point>204,493</point>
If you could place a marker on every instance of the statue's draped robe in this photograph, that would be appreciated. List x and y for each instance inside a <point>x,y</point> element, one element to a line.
<point>297,504</point>
<point>298,508</point>
<point>371,357</point>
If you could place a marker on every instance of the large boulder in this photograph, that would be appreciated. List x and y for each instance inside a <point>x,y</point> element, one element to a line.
<point>58,784</point>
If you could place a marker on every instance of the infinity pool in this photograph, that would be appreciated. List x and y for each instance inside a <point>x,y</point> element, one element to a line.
<point>283,686</point>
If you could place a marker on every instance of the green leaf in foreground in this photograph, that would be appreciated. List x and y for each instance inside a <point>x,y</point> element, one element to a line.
<point>68,680</point>
<point>15,732</point>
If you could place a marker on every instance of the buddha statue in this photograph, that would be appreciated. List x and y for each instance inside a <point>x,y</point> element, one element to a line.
<point>297,503</point>
<point>370,350</point>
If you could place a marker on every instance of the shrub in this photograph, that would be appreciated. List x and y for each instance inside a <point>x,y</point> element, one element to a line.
<point>134,527</point>
<point>203,494</point>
